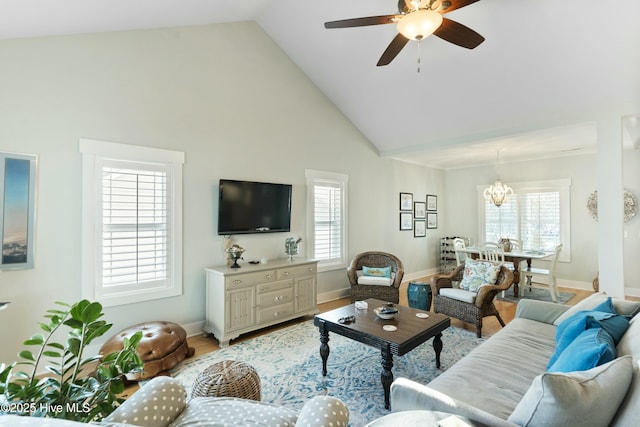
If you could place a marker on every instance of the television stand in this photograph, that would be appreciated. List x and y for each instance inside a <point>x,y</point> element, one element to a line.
<point>242,300</point>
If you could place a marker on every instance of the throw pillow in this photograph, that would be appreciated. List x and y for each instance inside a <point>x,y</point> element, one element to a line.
<point>602,316</point>
<point>377,271</point>
<point>323,411</point>
<point>478,273</point>
<point>626,308</point>
<point>581,398</point>
<point>591,348</point>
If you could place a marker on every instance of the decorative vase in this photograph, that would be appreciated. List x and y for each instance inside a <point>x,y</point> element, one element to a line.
<point>505,243</point>
<point>419,295</point>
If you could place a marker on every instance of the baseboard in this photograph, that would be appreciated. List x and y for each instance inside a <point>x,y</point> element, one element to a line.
<point>333,295</point>
<point>195,328</point>
<point>632,292</point>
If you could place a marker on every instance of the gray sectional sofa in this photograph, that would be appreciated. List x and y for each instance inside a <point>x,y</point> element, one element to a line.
<point>505,382</point>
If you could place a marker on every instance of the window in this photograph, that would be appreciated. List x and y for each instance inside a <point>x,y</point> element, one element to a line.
<point>538,214</point>
<point>327,218</point>
<point>132,222</point>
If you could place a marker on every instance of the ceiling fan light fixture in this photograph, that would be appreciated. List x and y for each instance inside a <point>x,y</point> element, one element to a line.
<point>419,24</point>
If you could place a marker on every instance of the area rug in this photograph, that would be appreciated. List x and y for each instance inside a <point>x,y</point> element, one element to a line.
<point>290,367</point>
<point>539,294</point>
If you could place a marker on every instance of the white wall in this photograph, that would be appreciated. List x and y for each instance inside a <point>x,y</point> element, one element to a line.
<point>228,97</point>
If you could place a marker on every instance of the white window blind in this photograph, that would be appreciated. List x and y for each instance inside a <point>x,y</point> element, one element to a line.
<point>132,222</point>
<point>538,214</point>
<point>326,205</point>
<point>134,225</point>
<point>327,215</point>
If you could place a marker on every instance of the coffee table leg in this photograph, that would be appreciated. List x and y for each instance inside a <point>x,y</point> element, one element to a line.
<point>324,347</point>
<point>386,377</point>
<point>437,346</point>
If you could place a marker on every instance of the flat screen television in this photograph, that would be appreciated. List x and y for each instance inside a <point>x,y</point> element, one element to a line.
<point>253,207</point>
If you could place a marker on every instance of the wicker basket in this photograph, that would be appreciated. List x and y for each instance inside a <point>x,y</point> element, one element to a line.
<point>228,378</point>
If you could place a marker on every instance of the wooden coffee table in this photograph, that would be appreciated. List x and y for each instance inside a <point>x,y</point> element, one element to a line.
<point>368,329</point>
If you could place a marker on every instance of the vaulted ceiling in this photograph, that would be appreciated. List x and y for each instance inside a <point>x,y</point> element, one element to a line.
<point>546,73</point>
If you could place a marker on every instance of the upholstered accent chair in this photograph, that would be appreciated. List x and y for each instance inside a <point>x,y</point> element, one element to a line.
<point>384,288</point>
<point>469,305</point>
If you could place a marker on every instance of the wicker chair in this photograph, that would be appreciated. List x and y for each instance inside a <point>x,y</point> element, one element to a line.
<point>469,312</point>
<point>375,259</point>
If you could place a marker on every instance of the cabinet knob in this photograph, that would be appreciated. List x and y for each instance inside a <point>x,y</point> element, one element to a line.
<point>236,282</point>
<point>310,269</point>
<point>268,276</point>
<point>286,273</point>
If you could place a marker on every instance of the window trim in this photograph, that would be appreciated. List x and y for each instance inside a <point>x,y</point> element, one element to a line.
<point>561,185</point>
<point>312,177</point>
<point>93,153</point>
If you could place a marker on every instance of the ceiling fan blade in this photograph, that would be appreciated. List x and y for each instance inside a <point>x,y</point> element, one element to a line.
<point>455,4</point>
<point>361,22</point>
<point>392,50</point>
<point>458,34</point>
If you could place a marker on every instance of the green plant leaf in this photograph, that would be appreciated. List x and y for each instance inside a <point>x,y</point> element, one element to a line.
<point>36,339</point>
<point>92,312</point>
<point>26,354</point>
<point>51,354</point>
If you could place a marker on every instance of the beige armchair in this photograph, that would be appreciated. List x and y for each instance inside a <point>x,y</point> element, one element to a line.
<point>470,307</point>
<point>386,292</point>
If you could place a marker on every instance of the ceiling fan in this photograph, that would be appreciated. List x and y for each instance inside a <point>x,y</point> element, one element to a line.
<point>418,19</point>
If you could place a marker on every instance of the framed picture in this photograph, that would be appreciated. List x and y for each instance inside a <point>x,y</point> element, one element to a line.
<point>17,212</point>
<point>406,221</point>
<point>419,210</point>
<point>432,202</point>
<point>432,220</point>
<point>419,228</point>
<point>406,201</point>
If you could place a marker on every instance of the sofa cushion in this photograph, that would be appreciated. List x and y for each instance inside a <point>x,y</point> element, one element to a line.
<point>629,411</point>
<point>495,375</point>
<point>623,307</point>
<point>591,348</point>
<point>477,273</point>
<point>233,411</point>
<point>581,398</point>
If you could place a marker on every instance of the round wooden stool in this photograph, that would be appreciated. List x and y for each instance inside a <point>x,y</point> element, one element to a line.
<point>228,378</point>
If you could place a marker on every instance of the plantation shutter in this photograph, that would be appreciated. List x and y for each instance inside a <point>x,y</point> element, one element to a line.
<point>134,222</point>
<point>540,220</point>
<point>328,214</point>
<point>501,221</point>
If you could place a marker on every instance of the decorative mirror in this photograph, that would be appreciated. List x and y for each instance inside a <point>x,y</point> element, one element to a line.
<point>630,205</point>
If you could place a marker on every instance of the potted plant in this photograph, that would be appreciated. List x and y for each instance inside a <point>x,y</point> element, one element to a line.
<point>75,386</point>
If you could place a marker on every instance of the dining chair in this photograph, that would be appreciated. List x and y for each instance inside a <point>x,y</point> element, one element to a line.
<point>529,272</point>
<point>492,253</point>
<point>458,243</point>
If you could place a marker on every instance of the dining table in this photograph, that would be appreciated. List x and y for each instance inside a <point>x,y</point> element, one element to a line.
<point>515,257</point>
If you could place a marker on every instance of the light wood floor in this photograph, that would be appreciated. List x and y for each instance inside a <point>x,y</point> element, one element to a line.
<point>490,325</point>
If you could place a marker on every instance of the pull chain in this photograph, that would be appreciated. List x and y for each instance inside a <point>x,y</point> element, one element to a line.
<point>418,56</point>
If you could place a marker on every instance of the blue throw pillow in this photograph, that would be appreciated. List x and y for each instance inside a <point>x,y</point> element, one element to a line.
<point>574,325</point>
<point>591,348</point>
<point>377,271</point>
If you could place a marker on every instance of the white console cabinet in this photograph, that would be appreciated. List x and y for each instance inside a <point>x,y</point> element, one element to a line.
<point>241,300</point>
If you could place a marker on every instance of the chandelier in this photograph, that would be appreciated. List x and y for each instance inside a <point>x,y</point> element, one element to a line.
<point>498,193</point>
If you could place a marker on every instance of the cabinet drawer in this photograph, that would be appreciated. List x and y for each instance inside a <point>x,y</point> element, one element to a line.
<point>274,313</point>
<point>250,278</point>
<point>274,286</point>
<point>279,296</point>
<point>300,270</point>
